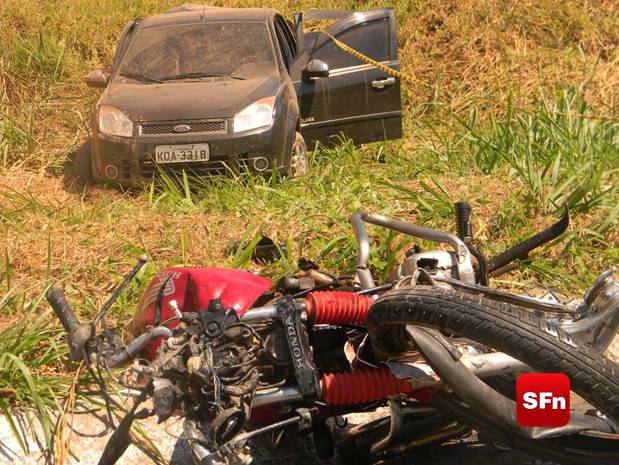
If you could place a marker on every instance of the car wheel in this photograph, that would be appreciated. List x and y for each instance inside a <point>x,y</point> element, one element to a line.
<point>82,165</point>
<point>299,159</point>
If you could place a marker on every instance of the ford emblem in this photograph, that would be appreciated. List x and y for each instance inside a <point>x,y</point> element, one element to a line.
<point>182,128</point>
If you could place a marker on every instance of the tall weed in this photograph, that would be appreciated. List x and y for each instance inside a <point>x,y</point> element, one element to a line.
<point>560,152</point>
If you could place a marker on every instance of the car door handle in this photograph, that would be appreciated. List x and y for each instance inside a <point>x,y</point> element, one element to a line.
<point>382,83</point>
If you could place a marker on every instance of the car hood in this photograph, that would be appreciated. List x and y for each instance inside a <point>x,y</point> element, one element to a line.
<point>189,99</point>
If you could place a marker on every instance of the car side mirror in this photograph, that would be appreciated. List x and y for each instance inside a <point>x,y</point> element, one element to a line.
<point>316,69</point>
<point>97,78</point>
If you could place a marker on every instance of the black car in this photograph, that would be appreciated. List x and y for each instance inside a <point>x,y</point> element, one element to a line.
<point>206,89</point>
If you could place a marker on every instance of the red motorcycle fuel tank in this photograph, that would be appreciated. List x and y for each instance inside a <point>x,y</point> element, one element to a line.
<point>193,289</point>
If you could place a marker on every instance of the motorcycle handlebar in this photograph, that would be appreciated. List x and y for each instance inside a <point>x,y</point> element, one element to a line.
<point>79,333</point>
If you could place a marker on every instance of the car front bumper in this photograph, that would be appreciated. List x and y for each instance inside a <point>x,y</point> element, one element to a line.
<point>131,161</point>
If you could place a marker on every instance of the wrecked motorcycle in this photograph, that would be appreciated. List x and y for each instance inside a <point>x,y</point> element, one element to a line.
<point>434,348</point>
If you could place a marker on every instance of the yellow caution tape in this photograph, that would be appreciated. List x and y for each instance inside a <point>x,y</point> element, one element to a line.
<point>409,79</point>
<point>377,64</point>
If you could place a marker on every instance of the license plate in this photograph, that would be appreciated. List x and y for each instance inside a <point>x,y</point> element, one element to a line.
<point>187,153</point>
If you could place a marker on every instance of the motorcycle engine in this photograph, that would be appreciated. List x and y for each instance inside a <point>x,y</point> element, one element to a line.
<point>207,369</point>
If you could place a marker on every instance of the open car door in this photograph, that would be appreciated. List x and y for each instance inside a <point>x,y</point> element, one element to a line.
<point>339,93</point>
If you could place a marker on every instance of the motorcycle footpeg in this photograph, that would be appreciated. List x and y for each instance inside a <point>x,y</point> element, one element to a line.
<point>77,332</point>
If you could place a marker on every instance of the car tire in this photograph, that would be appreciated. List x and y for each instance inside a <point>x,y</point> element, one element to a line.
<point>82,164</point>
<point>299,158</point>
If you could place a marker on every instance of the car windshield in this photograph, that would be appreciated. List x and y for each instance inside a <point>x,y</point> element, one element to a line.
<point>198,51</point>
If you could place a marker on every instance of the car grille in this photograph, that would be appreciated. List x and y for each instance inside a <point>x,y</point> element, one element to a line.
<point>195,127</point>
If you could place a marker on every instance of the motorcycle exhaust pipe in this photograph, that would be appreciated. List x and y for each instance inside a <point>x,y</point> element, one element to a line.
<point>493,364</point>
<point>482,365</point>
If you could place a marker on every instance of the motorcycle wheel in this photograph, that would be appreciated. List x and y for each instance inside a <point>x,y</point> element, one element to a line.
<point>518,332</point>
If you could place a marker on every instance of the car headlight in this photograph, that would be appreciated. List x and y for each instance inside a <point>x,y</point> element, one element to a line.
<point>257,115</point>
<point>114,122</point>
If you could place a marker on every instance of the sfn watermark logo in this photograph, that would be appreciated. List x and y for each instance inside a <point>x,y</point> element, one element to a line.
<point>543,399</point>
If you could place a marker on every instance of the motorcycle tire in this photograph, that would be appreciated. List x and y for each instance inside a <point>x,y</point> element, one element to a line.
<point>523,335</point>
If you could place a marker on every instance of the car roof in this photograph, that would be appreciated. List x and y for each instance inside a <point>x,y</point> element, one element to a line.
<point>190,13</point>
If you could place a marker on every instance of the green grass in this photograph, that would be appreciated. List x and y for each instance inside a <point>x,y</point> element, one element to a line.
<point>554,155</point>
<point>514,108</point>
<point>32,349</point>
<point>561,153</point>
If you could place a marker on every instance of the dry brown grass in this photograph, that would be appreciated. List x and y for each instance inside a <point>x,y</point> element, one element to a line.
<point>84,234</point>
<point>476,52</point>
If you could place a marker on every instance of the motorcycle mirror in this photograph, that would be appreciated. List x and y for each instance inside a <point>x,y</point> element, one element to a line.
<point>120,439</point>
<point>521,251</point>
<point>118,442</point>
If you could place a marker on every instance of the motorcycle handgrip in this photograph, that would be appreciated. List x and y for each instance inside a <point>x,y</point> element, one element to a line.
<point>77,332</point>
<point>63,310</point>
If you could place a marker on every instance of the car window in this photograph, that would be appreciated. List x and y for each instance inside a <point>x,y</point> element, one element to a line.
<point>284,45</point>
<point>288,34</point>
<point>227,48</point>
<point>124,40</point>
<point>371,39</point>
